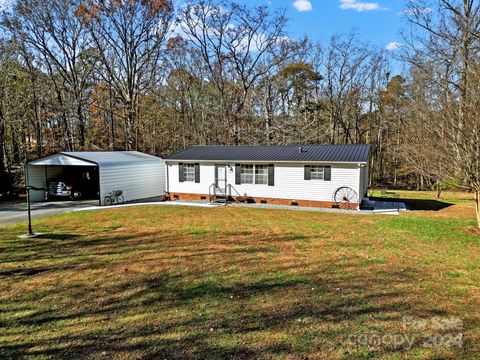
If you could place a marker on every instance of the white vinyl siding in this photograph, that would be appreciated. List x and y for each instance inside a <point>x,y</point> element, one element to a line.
<point>363,182</point>
<point>289,182</point>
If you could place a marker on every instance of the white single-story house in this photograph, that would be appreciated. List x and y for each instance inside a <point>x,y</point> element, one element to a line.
<point>306,175</point>
<point>137,175</point>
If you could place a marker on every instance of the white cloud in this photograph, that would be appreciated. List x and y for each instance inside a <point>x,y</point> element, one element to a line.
<point>302,5</point>
<point>416,11</point>
<point>359,5</point>
<point>393,46</point>
<point>254,43</point>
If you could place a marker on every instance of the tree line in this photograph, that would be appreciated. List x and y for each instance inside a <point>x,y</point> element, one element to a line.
<point>141,75</point>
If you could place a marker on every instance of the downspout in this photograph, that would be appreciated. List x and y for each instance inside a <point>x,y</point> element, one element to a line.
<point>361,184</point>
<point>167,178</point>
<point>99,186</point>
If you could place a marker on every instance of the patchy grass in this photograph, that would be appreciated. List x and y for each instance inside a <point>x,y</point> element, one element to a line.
<point>173,282</point>
<point>449,196</point>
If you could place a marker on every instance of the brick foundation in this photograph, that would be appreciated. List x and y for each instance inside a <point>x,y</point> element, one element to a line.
<point>264,200</point>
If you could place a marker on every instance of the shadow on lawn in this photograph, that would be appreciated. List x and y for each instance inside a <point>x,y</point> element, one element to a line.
<point>420,204</point>
<point>286,310</point>
<point>426,205</point>
<point>56,236</point>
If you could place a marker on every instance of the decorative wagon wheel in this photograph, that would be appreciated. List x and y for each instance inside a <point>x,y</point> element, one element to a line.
<point>344,197</point>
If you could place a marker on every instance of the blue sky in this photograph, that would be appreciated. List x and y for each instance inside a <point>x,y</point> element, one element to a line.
<point>377,22</point>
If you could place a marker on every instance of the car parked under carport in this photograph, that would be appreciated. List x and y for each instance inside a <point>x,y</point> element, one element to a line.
<point>74,183</point>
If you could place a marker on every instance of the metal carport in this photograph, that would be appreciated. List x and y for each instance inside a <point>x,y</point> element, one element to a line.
<point>138,175</point>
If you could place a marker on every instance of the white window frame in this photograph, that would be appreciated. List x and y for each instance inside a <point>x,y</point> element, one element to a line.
<point>257,174</point>
<point>188,172</point>
<point>261,174</point>
<point>250,175</point>
<point>317,172</point>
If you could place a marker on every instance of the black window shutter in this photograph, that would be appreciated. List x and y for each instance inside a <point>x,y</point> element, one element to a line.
<point>308,172</point>
<point>327,173</point>
<point>238,180</point>
<point>180,172</point>
<point>197,172</point>
<point>271,175</point>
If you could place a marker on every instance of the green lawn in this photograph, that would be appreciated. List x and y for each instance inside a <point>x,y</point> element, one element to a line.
<point>175,282</point>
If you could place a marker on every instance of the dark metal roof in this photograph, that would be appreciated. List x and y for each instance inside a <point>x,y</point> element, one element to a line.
<point>287,153</point>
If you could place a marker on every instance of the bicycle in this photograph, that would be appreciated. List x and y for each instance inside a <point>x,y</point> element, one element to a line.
<point>113,197</point>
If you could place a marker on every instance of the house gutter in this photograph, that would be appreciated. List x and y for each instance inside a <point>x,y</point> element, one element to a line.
<point>167,178</point>
<point>267,161</point>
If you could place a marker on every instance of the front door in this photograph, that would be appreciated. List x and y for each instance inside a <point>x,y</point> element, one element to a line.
<point>221,177</point>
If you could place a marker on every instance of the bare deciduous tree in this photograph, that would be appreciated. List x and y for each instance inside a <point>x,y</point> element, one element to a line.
<point>128,36</point>
<point>49,30</point>
<point>445,47</point>
<point>235,43</point>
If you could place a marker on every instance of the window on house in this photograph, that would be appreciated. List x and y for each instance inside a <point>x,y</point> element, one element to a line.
<point>317,172</point>
<point>246,174</point>
<point>189,172</point>
<point>261,174</point>
<point>254,174</point>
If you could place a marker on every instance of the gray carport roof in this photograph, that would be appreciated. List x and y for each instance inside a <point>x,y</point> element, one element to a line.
<point>100,158</point>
